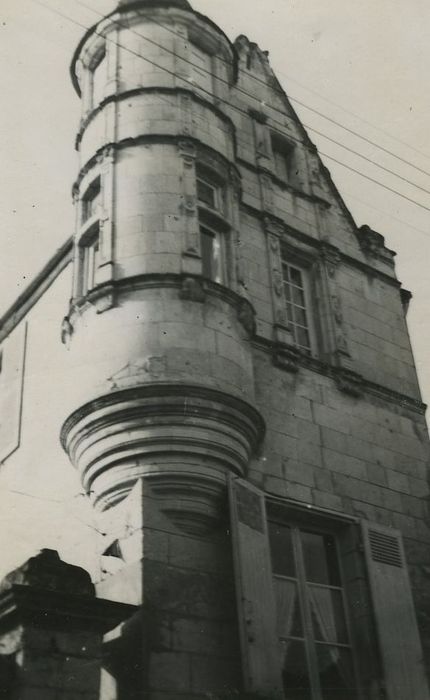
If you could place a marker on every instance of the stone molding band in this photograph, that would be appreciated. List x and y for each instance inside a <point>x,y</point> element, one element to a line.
<point>184,439</point>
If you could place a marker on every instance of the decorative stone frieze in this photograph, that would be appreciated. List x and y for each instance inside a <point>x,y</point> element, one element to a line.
<point>267,192</point>
<point>334,339</point>
<point>192,289</point>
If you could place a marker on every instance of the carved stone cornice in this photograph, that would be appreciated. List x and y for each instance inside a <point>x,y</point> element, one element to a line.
<point>372,244</point>
<point>314,364</point>
<point>405,297</point>
<point>286,357</point>
<point>121,96</point>
<point>349,382</point>
<point>192,287</point>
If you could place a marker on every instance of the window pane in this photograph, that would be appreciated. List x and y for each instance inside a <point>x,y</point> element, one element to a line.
<point>296,276</point>
<point>320,556</point>
<point>300,317</point>
<point>328,616</point>
<point>216,260</point>
<point>295,672</point>
<point>281,548</point>
<point>207,250</point>
<point>206,193</point>
<point>336,673</point>
<point>91,201</point>
<point>302,336</point>
<point>298,296</point>
<point>288,608</point>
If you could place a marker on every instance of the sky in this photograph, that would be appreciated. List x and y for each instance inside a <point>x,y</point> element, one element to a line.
<point>365,65</point>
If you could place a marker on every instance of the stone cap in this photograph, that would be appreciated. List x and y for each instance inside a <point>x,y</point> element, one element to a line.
<point>48,572</point>
<point>182,4</point>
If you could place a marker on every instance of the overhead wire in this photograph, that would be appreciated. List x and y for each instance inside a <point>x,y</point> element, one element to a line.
<point>281,92</point>
<point>352,114</point>
<point>238,109</point>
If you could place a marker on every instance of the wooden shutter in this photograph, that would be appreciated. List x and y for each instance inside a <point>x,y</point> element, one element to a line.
<point>399,641</point>
<point>11,385</point>
<point>255,598</point>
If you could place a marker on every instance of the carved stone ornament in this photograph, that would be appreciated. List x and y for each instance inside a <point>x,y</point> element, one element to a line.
<point>349,382</point>
<point>274,243</point>
<point>246,316</point>
<point>341,343</point>
<point>278,284</point>
<point>371,241</point>
<point>271,225</point>
<point>286,358</point>
<point>187,151</point>
<point>189,202</point>
<point>331,256</point>
<point>66,330</point>
<point>192,289</point>
<point>337,309</point>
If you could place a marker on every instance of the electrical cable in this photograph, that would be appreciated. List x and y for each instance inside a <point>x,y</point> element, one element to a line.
<point>242,111</point>
<point>282,93</point>
<point>276,109</point>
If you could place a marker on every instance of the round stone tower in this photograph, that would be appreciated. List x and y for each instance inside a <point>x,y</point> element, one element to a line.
<point>159,322</point>
<point>159,328</point>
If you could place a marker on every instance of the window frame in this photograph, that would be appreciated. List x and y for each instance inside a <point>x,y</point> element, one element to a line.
<point>285,149</point>
<point>304,267</point>
<point>89,256</point>
<point>87,201</point>
<point>320,525</point>
<point>212,219</point>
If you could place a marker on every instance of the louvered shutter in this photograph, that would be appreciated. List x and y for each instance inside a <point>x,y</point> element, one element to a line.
<point>399,641</point>
<point>11,384</point>
<point>255,597</point>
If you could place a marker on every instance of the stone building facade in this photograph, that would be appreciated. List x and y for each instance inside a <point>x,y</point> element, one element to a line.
<point>235,387</point>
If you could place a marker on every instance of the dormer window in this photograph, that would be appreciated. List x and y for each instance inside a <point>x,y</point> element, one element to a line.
<point>91,201</point>
<point>98,79</point>
<point>283,154</point>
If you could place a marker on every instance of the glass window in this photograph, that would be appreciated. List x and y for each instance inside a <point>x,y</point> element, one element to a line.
<point>211,252</point>
<point>283,153</point>
<point>91,201</point>
<point>297,296</point>
<point>311,616</point>
<point>90,262</point>
<point>210,197</point>
<point>207,193</point>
